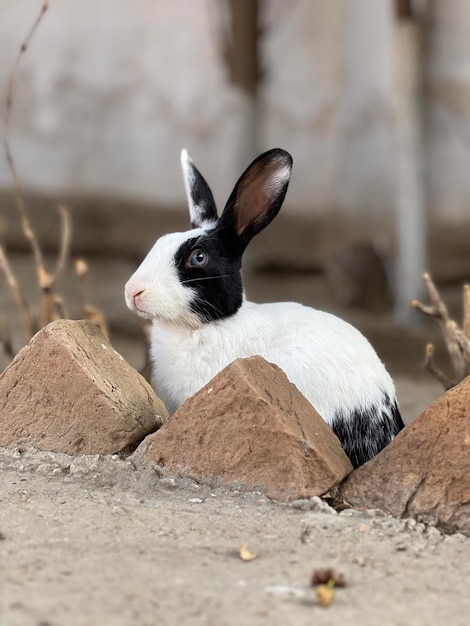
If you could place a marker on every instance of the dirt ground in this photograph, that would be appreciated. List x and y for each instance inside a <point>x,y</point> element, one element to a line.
<point>93,540</point>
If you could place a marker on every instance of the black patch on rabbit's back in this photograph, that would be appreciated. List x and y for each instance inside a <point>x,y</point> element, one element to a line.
<point>218,286</point>
<point>364,433</point>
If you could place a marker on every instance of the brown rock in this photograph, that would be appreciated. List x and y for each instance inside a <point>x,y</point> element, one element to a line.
<point>251,424</point>
<point>425,472</point>
<point>69,391</point>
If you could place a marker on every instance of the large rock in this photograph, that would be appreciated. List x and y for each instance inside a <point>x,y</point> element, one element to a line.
<point>69,391</point>
<point>251,424</point>
<point>425,472</point>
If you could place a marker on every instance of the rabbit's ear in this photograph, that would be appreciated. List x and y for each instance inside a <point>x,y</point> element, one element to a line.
<point>258,195</point>
<point>201,203</point>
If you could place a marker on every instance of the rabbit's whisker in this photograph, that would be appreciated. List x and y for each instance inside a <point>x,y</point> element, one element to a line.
<point>212,306</point>
<point>192,280</point>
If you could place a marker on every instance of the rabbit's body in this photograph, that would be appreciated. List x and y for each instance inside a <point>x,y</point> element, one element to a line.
<point>330,362</point>
<point>190,286</point>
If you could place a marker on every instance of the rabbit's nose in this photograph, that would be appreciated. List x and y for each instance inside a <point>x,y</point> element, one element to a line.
<point>136,296</point>
<point>133,292</point>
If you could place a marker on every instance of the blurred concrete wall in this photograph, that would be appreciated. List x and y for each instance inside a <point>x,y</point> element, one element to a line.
<point>111,90</point>
<point>449,103</point>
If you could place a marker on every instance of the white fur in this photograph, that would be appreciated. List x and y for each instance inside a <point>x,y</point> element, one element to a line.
<point>154,290</point>
<point>188,178</point>
<point>329,361</point>
<point>195,213</point>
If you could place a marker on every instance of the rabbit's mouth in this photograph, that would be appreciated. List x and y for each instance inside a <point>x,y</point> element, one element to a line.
<point>144,314</point>
<point>164,315</point>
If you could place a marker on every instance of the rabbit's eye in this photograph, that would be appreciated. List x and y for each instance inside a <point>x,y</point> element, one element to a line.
<point>198,258</point>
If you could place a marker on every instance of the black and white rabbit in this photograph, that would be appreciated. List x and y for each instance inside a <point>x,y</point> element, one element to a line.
<point>190,286</point>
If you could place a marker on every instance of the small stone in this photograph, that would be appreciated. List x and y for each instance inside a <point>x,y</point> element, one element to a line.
<point>64,392</point>
<point>168,483</point>
<point>43,469</point>
<point>424,474</point>
<point>314,504</point>
<point>303,504</point>
<point>254,427</point>
<point>433,534</point>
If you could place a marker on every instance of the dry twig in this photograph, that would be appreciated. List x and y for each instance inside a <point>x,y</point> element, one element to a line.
<point>28,231</point>
<point>5,340</point>
<point>51,304</point>
<point>457,340</point>
<point>30,322</point>
<point>81,270</point>
<point>88,311</point>
<point>65,241</point>
<point>466,310</point>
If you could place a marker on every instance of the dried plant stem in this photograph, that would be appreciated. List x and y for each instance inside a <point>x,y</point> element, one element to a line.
<point>45,279</point>
<point>457,341</point>
<point>438,310</point>
<point>466,311</point>
<point>429,364</point>
<point>47,305</point>
<point>28,231</point>
<point>5,339</point>
<point>52,303</point>
<point>462,340</point>
<point>97,317</point>
<point>88,311</point>
<point>81,269</point>
<point>28,315</point>
<point>65,240</point>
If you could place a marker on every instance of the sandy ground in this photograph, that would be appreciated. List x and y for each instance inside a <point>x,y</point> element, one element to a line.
<point>97,541</point>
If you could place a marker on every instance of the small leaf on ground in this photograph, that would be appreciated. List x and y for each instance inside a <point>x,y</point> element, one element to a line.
<point>246,554</point>
<point>325,594</point>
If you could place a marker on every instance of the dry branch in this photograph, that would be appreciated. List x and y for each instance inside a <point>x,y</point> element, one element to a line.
<point>81,270</point>
<point>25,223</point>
<point>89,312</point>
<point>97,317</point>
<point>51,304</point>
<point>5,340</point>
<point>65,241</point>
<point>27,313</point>
<point>457,340</point>
<point>466,310</point>
<point>430,365</point>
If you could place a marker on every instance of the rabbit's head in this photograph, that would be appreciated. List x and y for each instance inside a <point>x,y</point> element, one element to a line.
<point>192,278</point>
